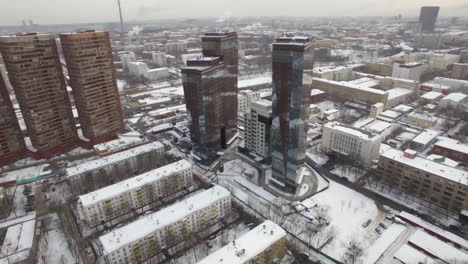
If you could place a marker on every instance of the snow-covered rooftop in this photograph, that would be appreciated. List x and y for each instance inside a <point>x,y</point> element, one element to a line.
<point>426,165</point>
<point>254,82</point>
<point>437,247</point>
<point>18,240</point>
<point>398,92</point>
<point>353,86</point>
<point>426,136</point>
<point>391,114</point>
<point>403,108</point>
<point>365,82</point>
<point>247,246</point>
<point>316,92</point>
<point>453,144</point>
<point>442,160</point>
<point>101,162</point>
<point>431,95</point>
<point>408,254</point>
<point>455,97</point>
<point>124,140</point>
<point>357,132</point>
<point>136,182</point>
<point>422,116</point>
<point>149,223</point>
<point>377,126</point>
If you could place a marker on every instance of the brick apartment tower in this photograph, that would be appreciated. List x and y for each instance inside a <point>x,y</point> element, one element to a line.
<point>290,111</point>
<point>224,45</point>
<point>12,146</point>
<point>203,81</point>
<point>91,69</point>
<point>36,75</point>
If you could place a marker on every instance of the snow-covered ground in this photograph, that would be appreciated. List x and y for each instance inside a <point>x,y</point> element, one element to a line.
<point>349,172</point>
<point>318,157</point>
<point>388,236</point>
<point>348,210</point>
<point>239,168</point>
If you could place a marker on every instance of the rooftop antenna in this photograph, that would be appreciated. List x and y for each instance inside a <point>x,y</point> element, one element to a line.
<point>121,20</point>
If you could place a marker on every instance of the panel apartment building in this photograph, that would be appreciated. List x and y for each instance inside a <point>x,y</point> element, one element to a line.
<point>441,185</point>
<point>12,146</point>
<point>35,72</point>
<point>97,173</point>
<point>290,111</point>
<point>269,247</point>
<point>112,201</point>
<point>91,68</point>
<point>258,126</point>
<point>147,236</point>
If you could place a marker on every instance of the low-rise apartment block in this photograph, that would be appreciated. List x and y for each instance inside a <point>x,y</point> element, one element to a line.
<point>147,236</point>
<point>93,174</point>
<point>441,185</point>
<point>353,143</point>
<point>265,244</point>
<point>112,201</point>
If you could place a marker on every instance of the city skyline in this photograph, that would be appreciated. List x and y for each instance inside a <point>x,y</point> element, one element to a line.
<point>107,11</point>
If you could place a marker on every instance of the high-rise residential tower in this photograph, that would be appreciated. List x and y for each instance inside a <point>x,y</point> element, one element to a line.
<point>203,81</point>
<point>428,18</point>
<point>290,111</point>
<point>224,45</point>
<point>36,75</point>
<point>12,146</point>
<point>90,66</point>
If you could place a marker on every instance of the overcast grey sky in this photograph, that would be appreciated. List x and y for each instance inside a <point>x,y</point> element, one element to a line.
<point>83,11</point>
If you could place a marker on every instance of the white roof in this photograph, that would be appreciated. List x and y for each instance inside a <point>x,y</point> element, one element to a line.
<point>352,86</point>
<point>101,162</point>
<point>377,126</point>
<point>437,247</point>
<point>430,166</point>
<point>398,92</point>
<point>443,160</point>
<point>408,254</point>
<point>403,108</point>
<point>316,92</point>
<point>133,183</point>
<point>365,82</point>
<point>124,140</point>
<point>436,85</point>
<point>149,223</point>
<point>247,246</point>
<point>391,114</point>
<point>431,95</point>
<point>453,145</point>
<point>455,97</point>
<point>422,116</point>
<point>426,136</point>
<point>360,133</point>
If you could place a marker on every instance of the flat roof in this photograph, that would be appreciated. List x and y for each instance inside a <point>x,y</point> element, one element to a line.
<point>247,246</point>
<point>426,136</point>
<point>352,86</point>
<point>147,224</point>
<point>398,92</point>
<point>360,133</point>
<point>453,145</point>
<point>431,95</point>
<point>101,162</point>
<point>426,165</point>
<point>136,182</point>
<point>455,97</point>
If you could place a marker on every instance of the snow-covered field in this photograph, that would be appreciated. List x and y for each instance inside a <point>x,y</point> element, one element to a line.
<point>53,247</point>
<point>348,210</point>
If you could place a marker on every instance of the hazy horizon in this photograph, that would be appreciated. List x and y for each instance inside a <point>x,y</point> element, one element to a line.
<point>87,11</point>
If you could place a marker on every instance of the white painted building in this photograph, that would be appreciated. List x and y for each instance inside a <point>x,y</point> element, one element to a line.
<point>266,241</point>
<point>357,144</point>
<point>159,58</point>
<point>410,71</point>
<point>147,236</point>
<point>138,69</point>
<point>257,129</point>
<point>157,74</point>
<point>126,59</point>
<point>376,109</point>
<point>245,99</point>
<point>117,199</point>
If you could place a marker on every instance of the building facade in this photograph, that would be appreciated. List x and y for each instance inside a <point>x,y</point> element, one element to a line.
<point>165,228</point>
<point>428,18</point>
<point>269,247</point>
<point>203,80</point>
<point>436,183</point>
<point>94,174</point>
<point>460,71</point>
<point>290,111</point>
<point>35,72</point>
<point>91,69</point>
<point>12,146</point>
<point>352,143</point>
<point>258,126</point>
<point>115,200</point>
<point>225,46</point>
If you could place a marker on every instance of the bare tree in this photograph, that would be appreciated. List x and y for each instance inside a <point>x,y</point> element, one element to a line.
<point>354,252</point>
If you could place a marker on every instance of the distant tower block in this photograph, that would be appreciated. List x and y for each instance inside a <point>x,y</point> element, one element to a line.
<point>290,111</point>
<point>90,66</point>
<point>12,146</point>
<point>428,18</point>
<point>35,72</point>
<point>224,45</point>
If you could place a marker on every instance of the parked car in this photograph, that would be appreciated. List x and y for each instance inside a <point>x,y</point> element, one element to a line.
<point>366,223</point>
<point>390,217</point>
<point>382,225</point>
<point>378,230</point>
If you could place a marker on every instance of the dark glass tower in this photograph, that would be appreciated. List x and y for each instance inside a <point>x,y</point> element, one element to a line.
<point>428,18</point>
